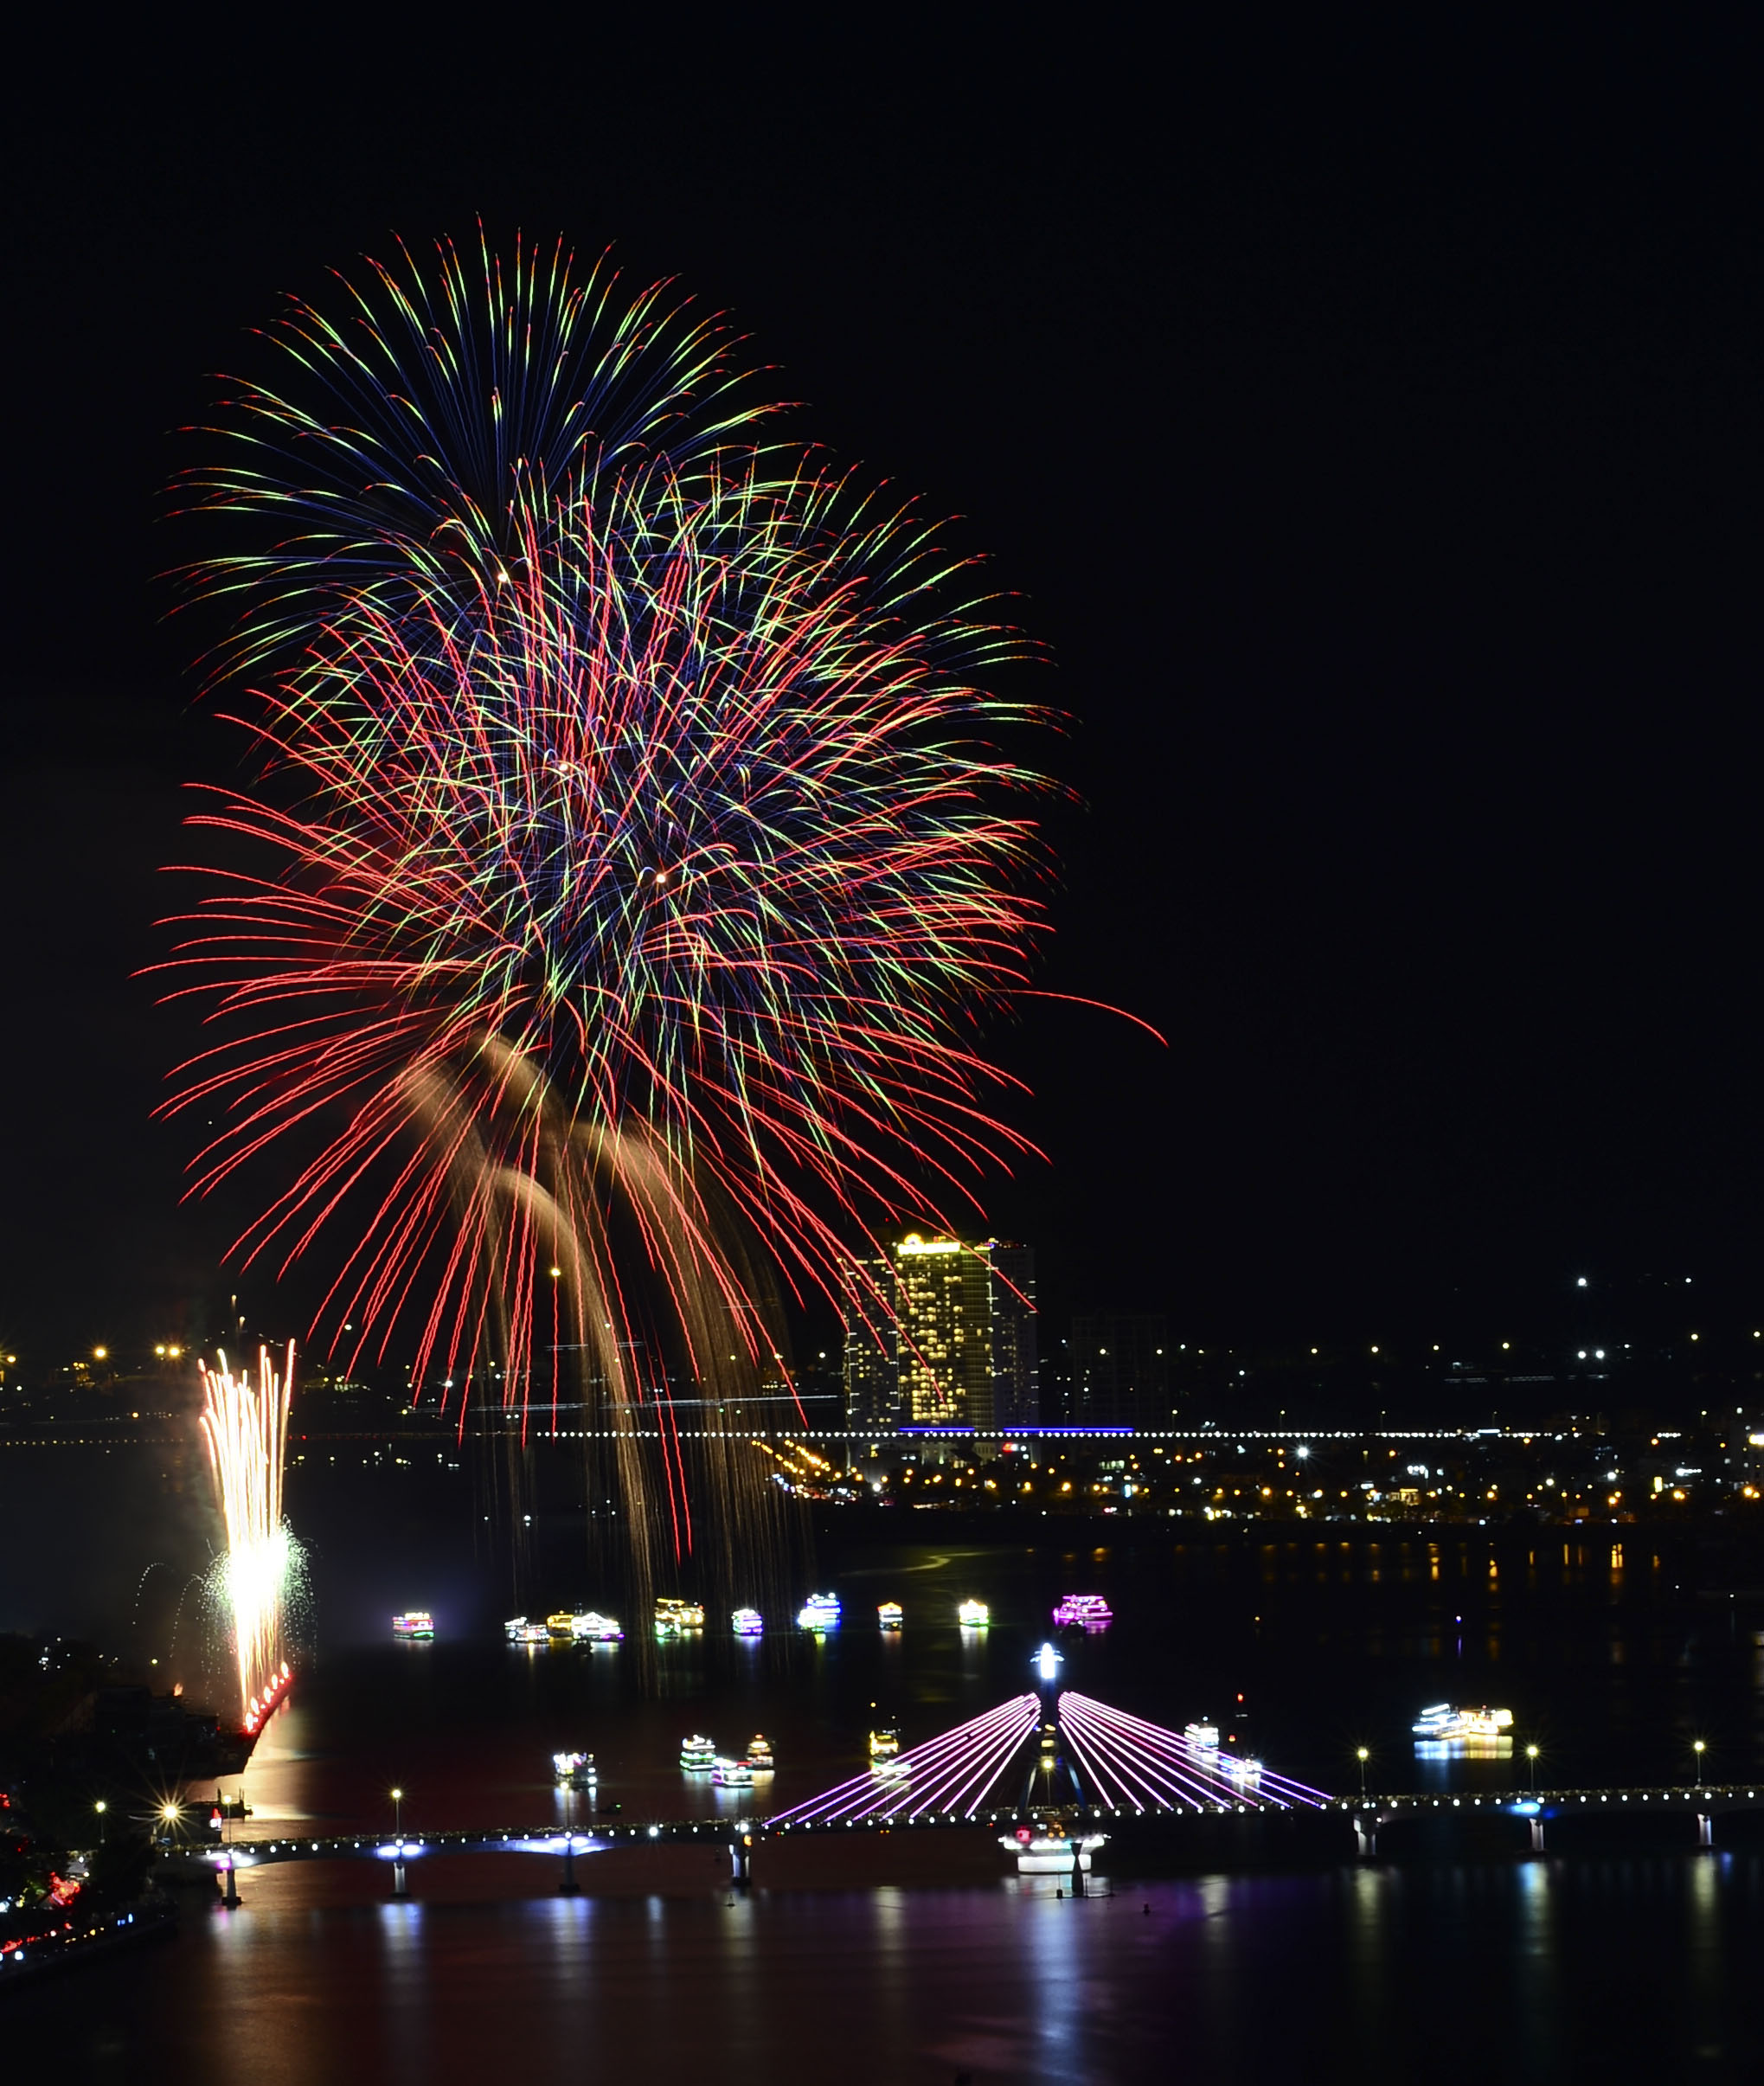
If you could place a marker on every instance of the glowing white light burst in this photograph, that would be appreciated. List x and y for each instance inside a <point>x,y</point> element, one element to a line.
<point>244,1422</point>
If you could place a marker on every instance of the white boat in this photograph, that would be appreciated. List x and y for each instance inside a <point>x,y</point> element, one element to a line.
<point>747,1622</point>
<point>819,1612</point>
<point>974,1615</point>
<point>573,1770</point>
<point>520,1630</point>
<point>697,1754</point>
<point>1444,1722</point>
<point>593,1627</point>
<point>760,1757</point>
<point>890,1614</point>
<point>1203,1737</point>
<point>1049,1850</point>
<point>1243,1769</point>
<point>418,1622</point>
<point>732,1774</point>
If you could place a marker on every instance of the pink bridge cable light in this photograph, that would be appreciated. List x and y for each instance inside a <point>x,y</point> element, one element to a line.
<point>949,1775</point>
<point>1129,1764</point>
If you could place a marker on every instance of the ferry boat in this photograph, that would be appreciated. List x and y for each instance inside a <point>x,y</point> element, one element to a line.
<point>573,1770</point>
<point>747,1622</point>
<point>1203,1737</point>
<point>1048,1849</point>
<point>884,1743</point>
<point>672,1616</point>
<point>594,1628</point>
<point>697,1754</point>
<point>518,1630</point>
<point>1443,1722</point>
<point>819,1612</point>
<point>416,1623</point>
<point>1083,1611</point>
<point>732,1774</point>
<point>890,1614</point>
<point>760,1757</point>
<point>973,1615</point>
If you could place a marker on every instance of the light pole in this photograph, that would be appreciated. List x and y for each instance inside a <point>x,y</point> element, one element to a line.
<point>1531,1755</point>
<point>1696,1748</point>
<point>398,1814</point>
<point>100,1806</point>
<point>1362,1756</point>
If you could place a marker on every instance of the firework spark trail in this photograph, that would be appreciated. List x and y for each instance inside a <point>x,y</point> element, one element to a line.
<point>245,1424</point>
<point>632,869</point>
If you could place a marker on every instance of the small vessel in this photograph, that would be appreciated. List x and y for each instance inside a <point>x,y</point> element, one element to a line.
<point>561,1624</point>
<point>697,1754</point>
<point>890,1614</point>
<point>573,1770</point>
<point>747,1622</point>
<point>672,1616</point>
<point>518,1630</point>
<point>1083,1611</point>
<point>415,1622</point>
<point>892,1767</point>
<point>1243,1769</point>
<point>1204,1737</point>
<point>974,1615</point>
<point>1443,1722</point>
<point>819,1612</point>
<point>884,1743</point>
<point>732,1774</point>
<point>760,1757</point>
<point>594,1628</point>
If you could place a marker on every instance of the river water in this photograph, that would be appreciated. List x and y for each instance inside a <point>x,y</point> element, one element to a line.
<point>924,1959</point>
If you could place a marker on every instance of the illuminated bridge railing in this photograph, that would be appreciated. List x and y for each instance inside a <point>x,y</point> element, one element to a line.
<point>949,1776</point>
<point>1127,1764</point>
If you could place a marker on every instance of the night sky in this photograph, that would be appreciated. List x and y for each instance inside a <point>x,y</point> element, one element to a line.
<point>1370,426</point>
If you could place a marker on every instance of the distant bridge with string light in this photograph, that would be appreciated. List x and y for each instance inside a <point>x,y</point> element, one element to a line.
<point>1058,1771</point>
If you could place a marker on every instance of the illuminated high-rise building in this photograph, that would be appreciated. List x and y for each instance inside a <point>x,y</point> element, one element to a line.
<point>961,1349</point>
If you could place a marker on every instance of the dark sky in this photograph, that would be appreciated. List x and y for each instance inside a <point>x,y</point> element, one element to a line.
<point>1369,419</point>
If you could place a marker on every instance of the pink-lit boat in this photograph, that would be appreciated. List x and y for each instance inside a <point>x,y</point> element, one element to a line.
<point>1083,1611</point>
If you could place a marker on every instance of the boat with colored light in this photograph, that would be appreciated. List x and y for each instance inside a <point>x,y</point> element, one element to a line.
<point>1243,1769</point>
<point>747,1622</point>
<point>884,1743</point>
<point>974,1615</point>
<point>591,1627</point>
<point>1203,1737</point>
<point>819,1612</point>
<point>697,1754</point>
<point>415,1622</point>
<point>1083,1611</point>
<point>573,1770</point>
<point>1048,1849</point>
<point>890,1614</point>
<point>1443,1723</point>
<point>760,1757</point>
<point>518,1630</point>
<point>732,1774</point>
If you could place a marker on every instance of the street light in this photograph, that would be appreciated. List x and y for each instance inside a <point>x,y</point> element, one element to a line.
<point>1696,1748</point>
<point>100,1808</point>
<point>1362,1756</point>
<point>1531,1755</point>
<point>398,1813</point>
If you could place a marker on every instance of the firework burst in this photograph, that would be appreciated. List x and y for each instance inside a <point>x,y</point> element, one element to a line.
<point>244,1425</point>
<point>640,856</point>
